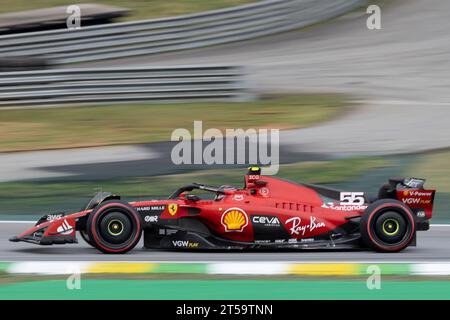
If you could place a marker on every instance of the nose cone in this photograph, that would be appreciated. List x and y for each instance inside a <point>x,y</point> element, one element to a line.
<point>14,239</point>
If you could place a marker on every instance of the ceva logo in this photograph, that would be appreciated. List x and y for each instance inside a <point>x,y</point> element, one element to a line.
<point>266,220</point>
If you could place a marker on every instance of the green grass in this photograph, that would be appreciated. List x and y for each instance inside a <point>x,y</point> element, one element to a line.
<point>226,289</point>
<point>37,198</point>
<point>435,167</point>
<point>124,124</point>
<point>141,9</point>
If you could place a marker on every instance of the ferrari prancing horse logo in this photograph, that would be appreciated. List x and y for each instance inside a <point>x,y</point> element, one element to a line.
<point>173,207</point>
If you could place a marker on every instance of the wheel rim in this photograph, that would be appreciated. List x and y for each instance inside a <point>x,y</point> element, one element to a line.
<point>391,227</point>
<point>115,227</point>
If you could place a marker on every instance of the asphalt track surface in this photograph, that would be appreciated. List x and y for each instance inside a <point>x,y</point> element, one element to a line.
<point>432,246</point>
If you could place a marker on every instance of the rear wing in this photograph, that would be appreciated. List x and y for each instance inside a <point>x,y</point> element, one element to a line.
<point>420,201</point>
<point>412,193</point>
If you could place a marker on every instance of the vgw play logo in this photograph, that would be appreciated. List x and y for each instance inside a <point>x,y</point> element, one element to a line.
<point>232,146</point>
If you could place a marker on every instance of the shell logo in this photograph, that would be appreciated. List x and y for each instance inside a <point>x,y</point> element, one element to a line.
<point>405,193</point>
<point>234,220</point>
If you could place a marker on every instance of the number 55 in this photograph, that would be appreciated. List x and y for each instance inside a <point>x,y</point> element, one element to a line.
<point>352,198</point>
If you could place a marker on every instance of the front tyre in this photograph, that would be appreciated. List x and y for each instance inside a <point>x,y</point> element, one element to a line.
<point>387,226</point>
<point>114,227</point>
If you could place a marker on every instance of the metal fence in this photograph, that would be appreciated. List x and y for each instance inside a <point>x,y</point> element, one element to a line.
<point>81,86</point>
<point>171,34</point>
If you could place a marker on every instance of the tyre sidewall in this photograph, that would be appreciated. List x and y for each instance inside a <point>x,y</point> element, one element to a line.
<point>93,225</point>
<point>367,232</point>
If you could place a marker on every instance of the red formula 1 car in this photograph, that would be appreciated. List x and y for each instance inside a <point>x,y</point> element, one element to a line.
<point>266,213</point>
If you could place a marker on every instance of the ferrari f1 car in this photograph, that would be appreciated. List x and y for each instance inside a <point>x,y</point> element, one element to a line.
<point>266,213</point>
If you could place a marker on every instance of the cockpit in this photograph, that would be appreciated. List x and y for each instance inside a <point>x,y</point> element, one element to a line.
<point>218,193</point>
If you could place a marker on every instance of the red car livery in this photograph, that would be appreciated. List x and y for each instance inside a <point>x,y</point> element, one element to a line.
<point>267,212</point>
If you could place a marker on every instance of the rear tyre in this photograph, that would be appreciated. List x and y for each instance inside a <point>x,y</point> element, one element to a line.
<point>387,226</point>
<point>114,227</point>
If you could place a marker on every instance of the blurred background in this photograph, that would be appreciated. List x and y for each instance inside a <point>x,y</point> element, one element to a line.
<point>93,108</point>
